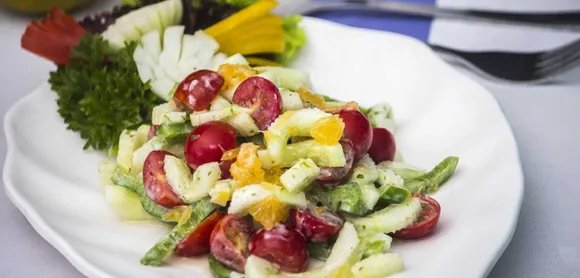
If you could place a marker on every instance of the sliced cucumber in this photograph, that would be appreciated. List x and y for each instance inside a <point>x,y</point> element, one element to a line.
<point>246,196</point>
<point>375,243</point>
<point>141,153</point>
<point>291,100</point>
<point>297,199</point>
<point>403,170</point>
<point>285,77</point>
<point>219,103</point>
<point>378,266</point>
<point>244,124</point>
<point>204,178</point>
<point>126,202</point>
<point>198,118</point>
<point>300,175</point>
<point>391,218</point>
<point>322,155</point>
<point>135,183</point>
<point>129,141</point>
<point>167,113</point>
<point>370,195</point>
<point>364,171</point>
<point>133,25</point>
<point>178,175</point>
<point>257,267</point>
<point>381,115</point>
<point>387,177</point>
<point>177,133</point>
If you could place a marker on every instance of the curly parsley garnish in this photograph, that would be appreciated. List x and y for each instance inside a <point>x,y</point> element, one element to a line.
<point>100,92</point>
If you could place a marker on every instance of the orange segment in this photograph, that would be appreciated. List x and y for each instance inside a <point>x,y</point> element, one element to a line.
<point>273,175</point>
<point>248,168</point>
<point>269,212</point>
<point>308,96</point>
<point>234,74</point>
<point>327,130</point>
<point>230,154</point>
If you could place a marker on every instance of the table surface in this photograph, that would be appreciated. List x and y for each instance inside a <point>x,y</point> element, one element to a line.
<point>544,119</point>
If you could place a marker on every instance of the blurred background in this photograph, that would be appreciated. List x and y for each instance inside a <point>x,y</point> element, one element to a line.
<point>543,116</point>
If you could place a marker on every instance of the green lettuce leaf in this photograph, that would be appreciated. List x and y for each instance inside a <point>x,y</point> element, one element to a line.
<point>294,37</point>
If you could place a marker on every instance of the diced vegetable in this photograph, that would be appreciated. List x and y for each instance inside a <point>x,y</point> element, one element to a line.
<point>165,246</point>
<point>291,79</point>
<point>381,115</point>
<point>141,153</point>
<point>391,218</point>
<point>403,170</point>
<point>375,243</point>
<point>378,266</point>
<point>126,202</point>
<point>135,183</point>
<point>129,141</point>
<point>429,183</point>
<point>370,195</point>
<point>178,176</point>
<point>246,196</point>
<point>244,124</point>
<point>218,270</point>
<point>257,267</point>
<point>290,100</point>
<point>347,198</point>
<point>364,171</point>
<point>167,113</point>
<point>297,199</point>
<point>387,177</point>
<point>204,178</point>
<point>319,250</point>
<point>393,194</point>
<point>131,26</point>
<point>221,193</point>
<point>219,103</point>
<point>323,155</point>
<point>236,59</point>
<point>198,118</point>
<point>300,175</point>
<point>177,133</point>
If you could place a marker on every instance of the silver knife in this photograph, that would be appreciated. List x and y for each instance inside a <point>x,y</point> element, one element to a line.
<point>423,10</point>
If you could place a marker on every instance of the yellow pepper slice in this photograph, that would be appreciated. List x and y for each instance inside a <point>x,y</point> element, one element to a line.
<point>267,22</point>
<point>253,12</point>
<point>257,61</point>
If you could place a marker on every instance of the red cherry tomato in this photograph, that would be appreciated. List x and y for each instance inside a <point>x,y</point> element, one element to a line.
<point>383,146</point>
<point>283,246</point>
<point>198,90</point>
<point>331,176</point>
<point>317,224</point>
<point>152,132</point>
<point>426,222</point>
<point>357,129</point>
<point>197,243</point>
<point>225,167</point>
<point>263,97</point>
<point>208,142</point>
<point>229,241</point>
<point>155,181</point>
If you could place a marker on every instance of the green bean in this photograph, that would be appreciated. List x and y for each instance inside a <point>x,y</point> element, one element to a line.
<point>430,182</point>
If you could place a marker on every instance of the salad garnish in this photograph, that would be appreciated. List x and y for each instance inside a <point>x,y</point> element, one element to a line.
<point>238,156</point>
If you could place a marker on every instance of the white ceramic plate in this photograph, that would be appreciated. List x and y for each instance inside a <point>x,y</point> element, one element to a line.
<point>439,113</point>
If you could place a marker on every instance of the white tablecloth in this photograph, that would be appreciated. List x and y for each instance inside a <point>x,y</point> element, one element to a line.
<point>544,119</point>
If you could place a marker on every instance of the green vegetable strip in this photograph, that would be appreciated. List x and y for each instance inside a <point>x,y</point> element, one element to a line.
<point>394,195</point>
<point>430,182</point>
<point>173,132</point>
<point>135,183</point>
<point>164,247</point>
<point>218,270</point>
<point>347,198</point>
<point>319,250</point>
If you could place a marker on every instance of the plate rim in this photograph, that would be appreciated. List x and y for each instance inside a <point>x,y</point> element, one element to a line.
<point>86,268</point>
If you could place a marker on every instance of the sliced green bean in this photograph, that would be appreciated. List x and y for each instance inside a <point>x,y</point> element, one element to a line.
<point>430,182</point>
<point>172,132</point>
<point>165,246</point>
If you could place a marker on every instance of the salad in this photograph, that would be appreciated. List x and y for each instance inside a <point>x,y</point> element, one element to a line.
<point>234,152</point>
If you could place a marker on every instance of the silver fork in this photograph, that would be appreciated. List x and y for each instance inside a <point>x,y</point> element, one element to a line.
<point>537,67</point>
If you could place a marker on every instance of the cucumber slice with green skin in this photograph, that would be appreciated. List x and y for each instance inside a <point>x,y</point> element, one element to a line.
<point>364,171</point>
<point>378,266</point>
<point>429,183</point>
<point>300,175</point>
<point>393,194</point>
<point>173,132</point>
<point>391,218</point>
<point>375,243</point>
<point>347,198</point>
<point>127,203</point>
<point>322,155</point>
<point>292,199</point>
<point>370,195</point>
<point>244,124</point>
<point>218,270</point>
<point>135,183</point>
<point>165,246</point>
<point>257,267</point>
<point>403,170</point>
<point>342,251</point>
<point>285,77</point>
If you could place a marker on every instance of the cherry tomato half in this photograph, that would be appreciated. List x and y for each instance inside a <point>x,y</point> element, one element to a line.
<point>229,241</point>
<point>198,90</point>
<point>283,246</point>
<point>383,146</point>
<point>426,222</point>
<point>197,243</point>
<point>317,224</point>
<point>155,181</point>
<point>208,142</point>
<point>357,129</point>
<point>263,97</point>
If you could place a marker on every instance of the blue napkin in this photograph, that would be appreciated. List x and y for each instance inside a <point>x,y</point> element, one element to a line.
<point>416,27</point>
